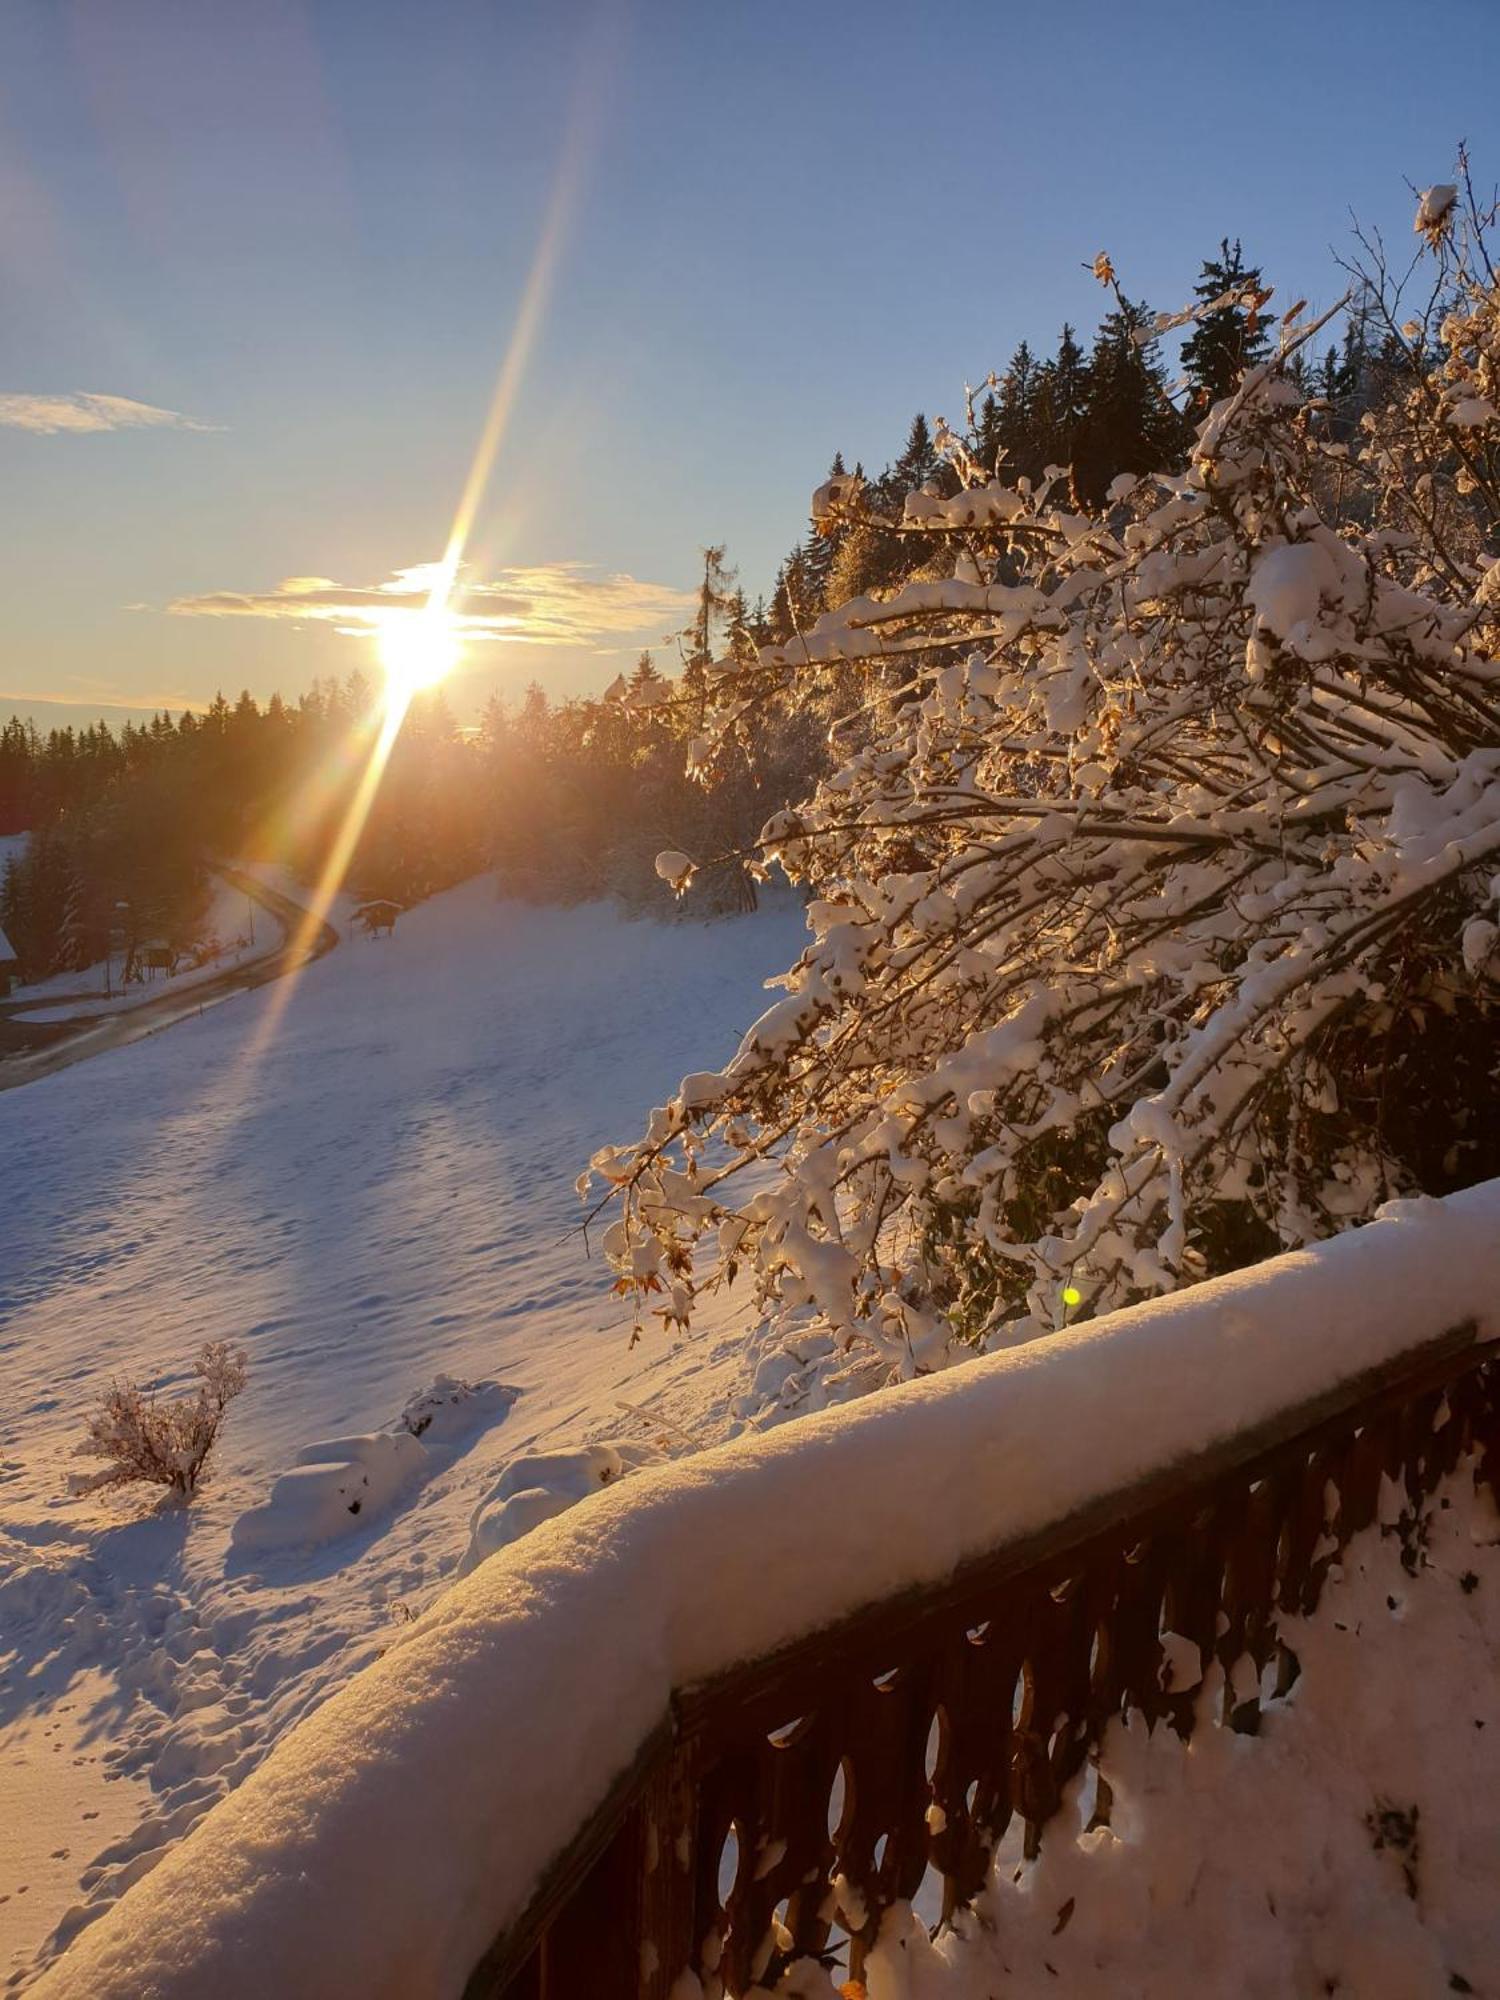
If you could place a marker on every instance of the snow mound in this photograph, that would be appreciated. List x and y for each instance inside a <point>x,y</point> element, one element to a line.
<point>538,1487</point>
<point>449,1409</point>
<point>347,1482</point>
<point>332,1486</point>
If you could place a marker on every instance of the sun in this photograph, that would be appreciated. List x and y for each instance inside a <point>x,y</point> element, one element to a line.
<point>417,648</point>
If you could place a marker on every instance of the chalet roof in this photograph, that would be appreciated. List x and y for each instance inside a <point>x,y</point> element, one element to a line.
<point>7,953</point>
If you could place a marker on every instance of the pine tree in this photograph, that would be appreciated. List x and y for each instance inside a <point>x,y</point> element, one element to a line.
<point>1232,337</point>
<point>644,674</point>
<point>821,549</point>
<point>1016,430</point>
<point>714,599</point>
<point>1130,424</point>
<point>1062,398</point>
<point>917,463</point>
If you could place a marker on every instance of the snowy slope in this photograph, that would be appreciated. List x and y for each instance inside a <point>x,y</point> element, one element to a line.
<point>374,1190</point>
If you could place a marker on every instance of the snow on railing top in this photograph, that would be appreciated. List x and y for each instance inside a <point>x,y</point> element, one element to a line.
<point>391,1836</point>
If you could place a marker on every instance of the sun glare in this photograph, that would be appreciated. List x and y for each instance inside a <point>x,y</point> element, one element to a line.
<point>417,648</point>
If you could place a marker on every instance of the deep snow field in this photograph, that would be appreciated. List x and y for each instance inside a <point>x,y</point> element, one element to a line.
<point>364,1176</point>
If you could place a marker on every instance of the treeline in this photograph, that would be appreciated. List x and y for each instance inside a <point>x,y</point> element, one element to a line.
<point>124,824</point>
<point>565,801</point>
<point>1098,412</point>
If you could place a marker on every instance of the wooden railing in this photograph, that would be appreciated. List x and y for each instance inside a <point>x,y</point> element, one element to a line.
<point>824,1784</point>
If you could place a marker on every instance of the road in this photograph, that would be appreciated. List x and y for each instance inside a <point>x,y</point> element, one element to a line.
<point>30,1050</point>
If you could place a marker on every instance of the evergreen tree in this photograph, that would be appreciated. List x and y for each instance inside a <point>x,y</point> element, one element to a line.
<point>1130,424</point>
<point>821,549</point>
<point>644,676</point>
<point>1231,338</point>
<point>1062,398</point>
<point>1016,429</point>
<point>917,463</point>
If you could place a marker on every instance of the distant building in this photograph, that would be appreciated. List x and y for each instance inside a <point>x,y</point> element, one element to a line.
<point>10,966</point>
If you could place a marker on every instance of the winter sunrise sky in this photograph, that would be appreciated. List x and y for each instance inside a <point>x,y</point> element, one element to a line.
<point>306,228</point>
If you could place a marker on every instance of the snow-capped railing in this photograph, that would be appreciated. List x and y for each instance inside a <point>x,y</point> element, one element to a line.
<point>794,1801</point>
<point>841,1655</point>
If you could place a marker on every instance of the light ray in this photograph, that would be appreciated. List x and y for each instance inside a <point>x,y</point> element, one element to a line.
<point>437,612</point>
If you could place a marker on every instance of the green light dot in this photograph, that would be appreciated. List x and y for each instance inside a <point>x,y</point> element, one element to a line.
<point>1072,1296</point>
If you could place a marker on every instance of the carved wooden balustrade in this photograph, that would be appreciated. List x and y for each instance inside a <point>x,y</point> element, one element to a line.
<point>823,1784</point>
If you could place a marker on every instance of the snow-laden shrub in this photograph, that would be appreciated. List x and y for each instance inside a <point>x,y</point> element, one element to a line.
<point>163,1443</point>
<point>541,1485</point>
<point>1157,927</point>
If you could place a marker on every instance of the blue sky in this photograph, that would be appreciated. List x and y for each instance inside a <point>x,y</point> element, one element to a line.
<point>307,226</point>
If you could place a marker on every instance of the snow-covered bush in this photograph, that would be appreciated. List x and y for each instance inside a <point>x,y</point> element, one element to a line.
<point>163,1443</point>
<point>541,1485</point>
<point>1157,927</point>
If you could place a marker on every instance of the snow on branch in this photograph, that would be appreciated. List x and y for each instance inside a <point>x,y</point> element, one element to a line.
<point>1153,914</point>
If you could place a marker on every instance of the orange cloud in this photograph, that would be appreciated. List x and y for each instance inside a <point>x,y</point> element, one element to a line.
<point>545,604</point>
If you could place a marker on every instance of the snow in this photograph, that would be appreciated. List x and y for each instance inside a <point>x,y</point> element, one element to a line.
<point>425,1798</point>
<point>333,1486</point>
<point>1434,206</point>
<point>1350,1848</point>
<point>365,1178</point>
<point>538,1488</point>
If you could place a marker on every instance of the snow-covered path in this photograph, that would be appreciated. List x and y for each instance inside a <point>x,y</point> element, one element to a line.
<point>365,1176</point>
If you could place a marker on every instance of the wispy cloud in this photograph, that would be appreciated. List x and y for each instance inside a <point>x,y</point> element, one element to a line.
<point>79,411</point>
<point>102,695</point>
<point>547,604</point>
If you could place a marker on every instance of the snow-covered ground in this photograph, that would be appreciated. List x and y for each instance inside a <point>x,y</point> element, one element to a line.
<point>365,1177</point>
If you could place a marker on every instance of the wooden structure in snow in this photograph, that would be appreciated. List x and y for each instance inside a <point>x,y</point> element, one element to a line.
<point>377,917</point>
<point>156,955</point>
<point>839,1776</point>
<point>10,965</point>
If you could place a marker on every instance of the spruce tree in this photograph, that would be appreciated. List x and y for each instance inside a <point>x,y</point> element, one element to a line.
<point>1017,432</point>
<point>1130,424</point>
<point>1231,338</point>
<point>1062,398</point>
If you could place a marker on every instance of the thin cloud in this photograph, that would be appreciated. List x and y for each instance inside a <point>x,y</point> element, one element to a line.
<point>106,695</point>
<point>545,604</point>
<point>77,412</point>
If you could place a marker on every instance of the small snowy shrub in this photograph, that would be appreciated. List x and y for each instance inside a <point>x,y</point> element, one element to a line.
<point>163,1443</point>
<point>1152,930</point>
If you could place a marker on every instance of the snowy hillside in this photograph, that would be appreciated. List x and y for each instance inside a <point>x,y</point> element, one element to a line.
<point>374,1191</point>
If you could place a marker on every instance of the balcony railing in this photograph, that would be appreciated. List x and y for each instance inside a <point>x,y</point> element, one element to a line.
<point>779,1810</point>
